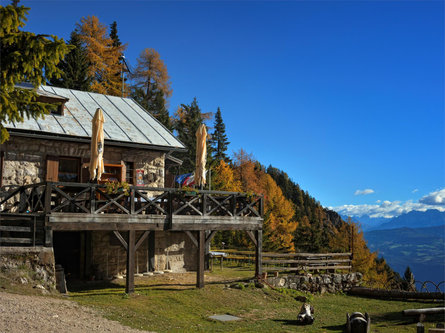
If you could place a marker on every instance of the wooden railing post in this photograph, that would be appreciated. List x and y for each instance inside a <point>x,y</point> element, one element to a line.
<point>204,204</point>
<point>92,199</point>
<point>233,201</point>
<point>48,191</point>
<point>259,253</point>
<point>132,200</point>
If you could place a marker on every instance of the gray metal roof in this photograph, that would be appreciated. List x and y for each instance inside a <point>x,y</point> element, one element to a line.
<point>125,120</point>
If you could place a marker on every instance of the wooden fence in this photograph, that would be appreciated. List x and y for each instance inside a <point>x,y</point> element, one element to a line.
<point>292,262</point>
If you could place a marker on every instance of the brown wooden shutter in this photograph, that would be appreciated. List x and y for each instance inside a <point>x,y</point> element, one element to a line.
<point>52,168</point>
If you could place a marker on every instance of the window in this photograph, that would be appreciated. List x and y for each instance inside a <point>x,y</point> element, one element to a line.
<point>129,171</point>
<point>69,169</point>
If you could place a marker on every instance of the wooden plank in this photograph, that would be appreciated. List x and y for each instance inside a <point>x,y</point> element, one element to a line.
<point>121,239</point>
<point>141,239</point>
<point>151,251</point>
<point>309,255</point>
<point>106,226</point>
<point>15,240</point>
<point>210,237</point>
<point>259,253</point>
<point>305,262</point>
<point>14,228</point>
<point>251,236</point>
<point>129,283</point>
<point>201,255</point>
<point>193,239</point>
<point>427,311</point>
<point>304,268</point>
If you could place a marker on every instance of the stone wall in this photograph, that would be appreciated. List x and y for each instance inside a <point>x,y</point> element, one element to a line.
<point>323,283</point>
<point>173,251</point>
<point>25,159</point>
<point>34,266</point>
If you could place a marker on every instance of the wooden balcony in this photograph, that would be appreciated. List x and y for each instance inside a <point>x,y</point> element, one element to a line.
<point>86,206</point>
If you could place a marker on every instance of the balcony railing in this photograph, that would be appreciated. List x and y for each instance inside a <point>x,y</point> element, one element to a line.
<point>87,198</point>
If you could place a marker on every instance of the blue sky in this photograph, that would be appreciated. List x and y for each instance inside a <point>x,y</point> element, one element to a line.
<point>345,96</point>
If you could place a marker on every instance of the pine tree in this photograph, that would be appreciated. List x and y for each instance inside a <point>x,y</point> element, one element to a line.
<point>74,67</point>
<point>113,35</point>
<point>156,107</point>
<point>219,140</point>
<point>102,55</point>
<point>24,57</point>
<point>186,123</point>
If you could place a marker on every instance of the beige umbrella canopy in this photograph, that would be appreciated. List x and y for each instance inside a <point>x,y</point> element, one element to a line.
<point>201,153</point>
<point>97,145</point>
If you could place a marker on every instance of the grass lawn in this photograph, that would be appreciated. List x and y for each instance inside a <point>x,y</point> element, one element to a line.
<point>170,303</point>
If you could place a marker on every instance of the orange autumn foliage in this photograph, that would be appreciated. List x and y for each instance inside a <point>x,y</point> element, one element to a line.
<point>278,226</point>
<point>102,56</point>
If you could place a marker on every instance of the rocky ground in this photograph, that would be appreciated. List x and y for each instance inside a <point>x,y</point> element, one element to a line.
<point>20,313</point>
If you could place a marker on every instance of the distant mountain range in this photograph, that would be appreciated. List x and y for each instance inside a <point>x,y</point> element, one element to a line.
<point>422,249</point>
<point>413,219</point>
<point>415,239</point>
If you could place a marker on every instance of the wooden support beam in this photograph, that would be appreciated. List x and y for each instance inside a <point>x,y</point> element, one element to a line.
<point>210,237</point>
<point>201,255</point>
<point>129,284</point>
<point>151,251</point>
<point>251,236</point>
<point>259,253</point>
<point>121,239</point>
<point>193,239</point>
<point>141,239</point>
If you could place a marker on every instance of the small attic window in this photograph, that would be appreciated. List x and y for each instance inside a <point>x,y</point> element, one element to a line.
<point>60,102</point>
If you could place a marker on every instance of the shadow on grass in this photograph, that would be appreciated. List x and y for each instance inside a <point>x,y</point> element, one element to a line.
<point>335,328</point>
<point>290,322</point>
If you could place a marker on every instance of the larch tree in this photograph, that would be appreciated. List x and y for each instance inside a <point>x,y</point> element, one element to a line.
<point>219,140</point>
<point>24,57</point>
<point>152,85</point>
<point>102,55</point>
<point>74,67</point>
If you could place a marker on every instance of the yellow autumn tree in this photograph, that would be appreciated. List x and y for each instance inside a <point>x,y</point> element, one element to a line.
<point>102,55</point>
<point>349,237</point>
<point>151,76</point>
<point>223,178</point>
<point>278,226</point>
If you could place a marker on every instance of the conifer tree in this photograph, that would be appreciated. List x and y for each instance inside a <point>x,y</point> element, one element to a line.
<point>113,35</point>
<point>102,55</point>
<point>186,123</point>
<point>74,67</point>
<point>156,106</point>
<point>219,140</point>
<point>151,76</point>
<point>24,57</point>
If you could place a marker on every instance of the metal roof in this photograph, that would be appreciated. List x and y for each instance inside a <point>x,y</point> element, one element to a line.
<point>125,120</point>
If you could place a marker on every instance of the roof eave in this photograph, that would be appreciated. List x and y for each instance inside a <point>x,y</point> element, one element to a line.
<point>70,138</point>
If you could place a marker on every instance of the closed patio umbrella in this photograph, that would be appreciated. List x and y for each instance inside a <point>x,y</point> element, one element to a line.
<point>97,145</point>
<point>201,153</point>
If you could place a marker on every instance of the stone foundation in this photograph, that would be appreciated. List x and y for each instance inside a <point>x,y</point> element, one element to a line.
<point>324,283</point>
<point>33,266</point>
<point>173,251</point>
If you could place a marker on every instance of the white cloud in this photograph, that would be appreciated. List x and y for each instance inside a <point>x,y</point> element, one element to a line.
<point>389,209</point>
<point>364,192</point>
<point>434,198</point>
<point>415,190</point>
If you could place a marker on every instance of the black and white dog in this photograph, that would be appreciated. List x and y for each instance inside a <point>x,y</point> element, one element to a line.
<point>305,317</point>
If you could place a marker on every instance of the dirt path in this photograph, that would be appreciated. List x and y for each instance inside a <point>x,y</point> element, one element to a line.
<point>23,314</point>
